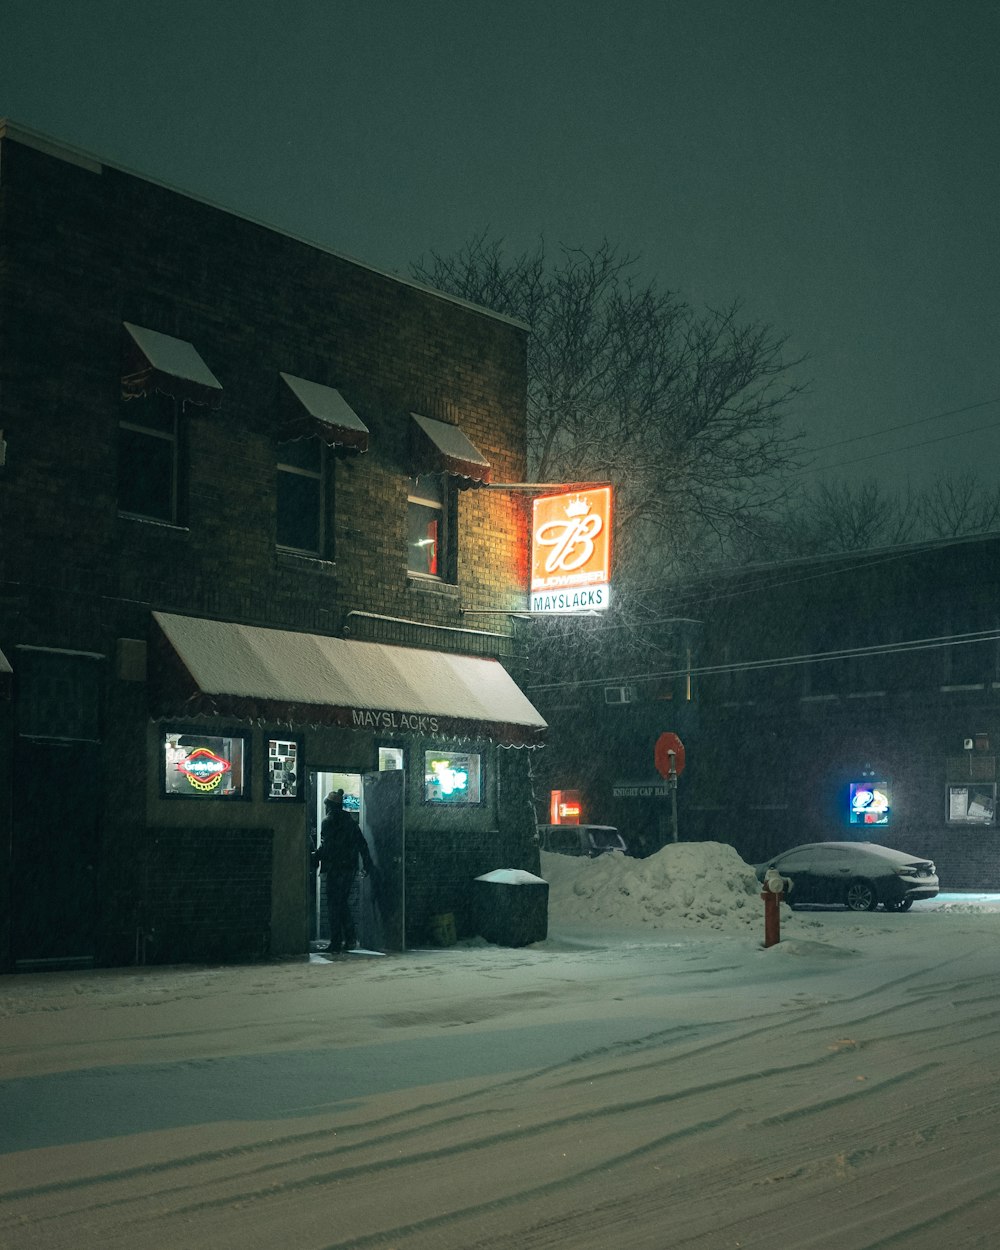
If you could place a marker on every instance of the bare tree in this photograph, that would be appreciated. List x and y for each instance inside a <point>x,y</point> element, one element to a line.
<point>838,515</point>
<point>959,504</point>
<point>682,411</point>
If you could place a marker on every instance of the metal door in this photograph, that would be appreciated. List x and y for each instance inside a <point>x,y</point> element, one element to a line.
<point>382,906</point>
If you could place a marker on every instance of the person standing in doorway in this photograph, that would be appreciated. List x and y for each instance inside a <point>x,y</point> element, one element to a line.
<point>341,846</point>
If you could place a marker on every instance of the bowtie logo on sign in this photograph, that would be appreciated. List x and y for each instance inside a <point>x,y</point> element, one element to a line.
<point>571,551</point>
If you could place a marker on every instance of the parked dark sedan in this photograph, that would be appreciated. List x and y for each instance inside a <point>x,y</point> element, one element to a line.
<point>858,875</point>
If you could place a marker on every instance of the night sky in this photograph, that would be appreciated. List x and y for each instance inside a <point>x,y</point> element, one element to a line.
<point>834,164</point>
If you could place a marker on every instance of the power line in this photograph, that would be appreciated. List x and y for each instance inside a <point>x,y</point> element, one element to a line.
<point>787,661</point>
<point>892,451</point>
<point>905,425</point>
<point>843,562</point>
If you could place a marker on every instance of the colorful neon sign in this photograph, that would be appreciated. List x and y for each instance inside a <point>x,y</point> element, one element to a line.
<point>203,769</point>
<point>869,803</point>
<point>571,551</point>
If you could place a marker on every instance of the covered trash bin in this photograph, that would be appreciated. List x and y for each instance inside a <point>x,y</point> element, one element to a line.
<point>511,907</point>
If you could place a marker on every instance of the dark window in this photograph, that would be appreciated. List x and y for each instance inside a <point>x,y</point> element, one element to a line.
<point>430,527</point>
<point>148,458</point>
<point>302,496</point>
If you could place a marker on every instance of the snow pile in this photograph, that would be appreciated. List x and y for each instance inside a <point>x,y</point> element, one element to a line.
<point>703,884</point>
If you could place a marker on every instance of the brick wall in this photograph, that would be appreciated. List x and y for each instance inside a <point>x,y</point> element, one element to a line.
<point>86,251</point>
<point>206,894</point>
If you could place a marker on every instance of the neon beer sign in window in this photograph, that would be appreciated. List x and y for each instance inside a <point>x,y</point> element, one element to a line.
<point>201,766</point>
<point>869,803</point>
<point>571,551</point>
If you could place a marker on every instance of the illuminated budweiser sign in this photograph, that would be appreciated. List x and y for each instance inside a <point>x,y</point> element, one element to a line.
<point>571,551</point>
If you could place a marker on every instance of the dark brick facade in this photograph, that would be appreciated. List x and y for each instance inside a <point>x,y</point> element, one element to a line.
<point>775,738</point>
<point>86,247</point>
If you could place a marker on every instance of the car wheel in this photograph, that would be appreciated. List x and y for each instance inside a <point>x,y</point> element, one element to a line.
<point>861,895</point>
<point>902,904</point>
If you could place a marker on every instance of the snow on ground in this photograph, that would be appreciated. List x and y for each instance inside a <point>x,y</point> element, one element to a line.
<point>699,884</point>
<point>648,1077</point>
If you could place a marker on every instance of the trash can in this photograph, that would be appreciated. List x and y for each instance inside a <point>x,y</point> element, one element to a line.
<point>511,907</point>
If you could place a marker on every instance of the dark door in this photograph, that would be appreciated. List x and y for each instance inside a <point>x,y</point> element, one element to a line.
<point>382,906</point>
<point>56,806</point>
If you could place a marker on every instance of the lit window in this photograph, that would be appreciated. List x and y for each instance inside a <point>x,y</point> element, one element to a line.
<point>301,495</point>
<point>427,517</point>
<point>452,778</point>
<point>284,776</point>
<point>204,766</point>
<point>147,458</point>
<point>390,759</point>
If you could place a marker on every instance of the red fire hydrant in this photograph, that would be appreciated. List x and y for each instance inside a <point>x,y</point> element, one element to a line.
<point>775,888</point>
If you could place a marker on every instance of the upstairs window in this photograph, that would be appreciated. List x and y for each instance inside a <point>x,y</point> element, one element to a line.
<point>429,526</point>
<point>302,490</point>
<point>148,458</point>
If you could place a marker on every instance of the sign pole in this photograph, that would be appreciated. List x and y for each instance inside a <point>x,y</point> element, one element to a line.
<point>672,782</point>
<point>669,756</point>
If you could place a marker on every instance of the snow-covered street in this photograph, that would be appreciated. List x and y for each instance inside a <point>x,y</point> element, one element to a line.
<point>648,1077</point>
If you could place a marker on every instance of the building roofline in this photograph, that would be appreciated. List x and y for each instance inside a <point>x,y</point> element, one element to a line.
<point>41,142</point>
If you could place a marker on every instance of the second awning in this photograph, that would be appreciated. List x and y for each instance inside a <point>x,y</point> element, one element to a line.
<point>321,411</point>
<point>443,448</point>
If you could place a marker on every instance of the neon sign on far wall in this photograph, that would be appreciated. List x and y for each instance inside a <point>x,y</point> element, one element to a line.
<point>869,803</point>
<point>571,551</point>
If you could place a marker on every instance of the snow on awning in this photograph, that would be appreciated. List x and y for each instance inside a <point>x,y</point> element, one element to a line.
<point>443,448</point>
<point>5,676</point>
<point>159,362</point>
<point>322,411</point>
<point>219,668</point>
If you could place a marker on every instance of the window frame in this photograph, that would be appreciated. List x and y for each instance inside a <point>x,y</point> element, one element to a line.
<point>965,822</point>
<point>245,795</point>
<point>443,501</point>
<point>323,476</point>
<point>446,803</point>
<point>300,772</point>
<point>133,408</point>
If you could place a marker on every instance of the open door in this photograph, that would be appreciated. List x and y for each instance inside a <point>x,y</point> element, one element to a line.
<point>382,901</point>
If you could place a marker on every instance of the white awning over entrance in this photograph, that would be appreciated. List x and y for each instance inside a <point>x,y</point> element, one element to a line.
<point>251,672</point>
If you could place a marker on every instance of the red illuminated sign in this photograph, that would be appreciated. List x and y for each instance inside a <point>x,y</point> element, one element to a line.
<point>565,807</point>
<point>203,768</point>
<point>571,551</point>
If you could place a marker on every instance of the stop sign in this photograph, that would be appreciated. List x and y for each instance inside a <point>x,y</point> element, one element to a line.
<point>666,743</point>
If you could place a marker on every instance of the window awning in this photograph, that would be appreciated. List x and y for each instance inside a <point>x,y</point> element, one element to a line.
<point>5,677</point>
<point>443,448</point>
<point>158,362</point>
<point>219,668</point>
<point>322,411</point>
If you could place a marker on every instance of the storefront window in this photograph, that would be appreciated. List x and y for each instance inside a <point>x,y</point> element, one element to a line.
<point>972,804</point>
<point>451,777</point>
<point>390,759</point>
<point>284,780</point>
<point>204,766</point>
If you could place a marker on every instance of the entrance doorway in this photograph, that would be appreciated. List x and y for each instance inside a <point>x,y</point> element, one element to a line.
<point>377,902</point>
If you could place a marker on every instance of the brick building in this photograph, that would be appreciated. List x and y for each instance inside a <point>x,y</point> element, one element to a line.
<point>800,689</point>
<point>244,503</point>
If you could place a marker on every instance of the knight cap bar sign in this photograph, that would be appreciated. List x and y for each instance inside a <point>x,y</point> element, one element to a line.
<point>571,551</point>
